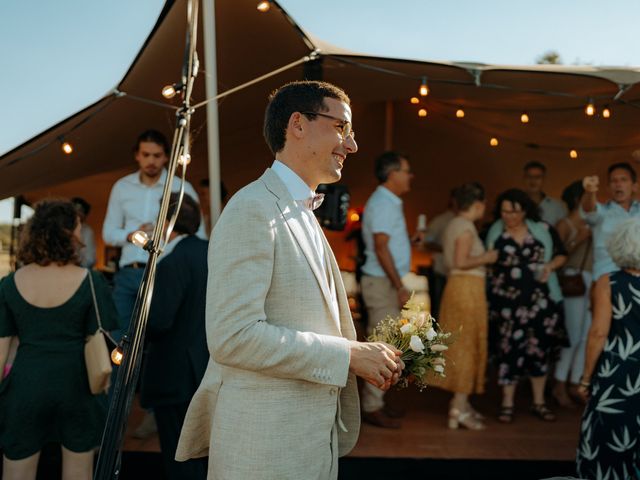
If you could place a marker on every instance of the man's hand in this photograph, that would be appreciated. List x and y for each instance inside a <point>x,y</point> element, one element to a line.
<point>591,184</point>
<point>145,227</point>
<point>403,296</point>
<point>378,363</point>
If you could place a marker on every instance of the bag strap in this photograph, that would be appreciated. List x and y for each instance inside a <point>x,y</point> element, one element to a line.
<point>586,254</point>
<point>95,307</point>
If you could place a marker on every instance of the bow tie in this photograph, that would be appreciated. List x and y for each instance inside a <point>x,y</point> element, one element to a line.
<point>313,202</point>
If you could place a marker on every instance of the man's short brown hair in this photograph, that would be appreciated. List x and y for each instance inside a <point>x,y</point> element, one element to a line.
<point>303,96</point>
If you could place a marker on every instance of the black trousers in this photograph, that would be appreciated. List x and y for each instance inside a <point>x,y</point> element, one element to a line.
<point>170,419</point>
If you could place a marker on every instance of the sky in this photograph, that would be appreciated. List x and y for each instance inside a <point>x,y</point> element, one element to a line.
<point>58,57</point>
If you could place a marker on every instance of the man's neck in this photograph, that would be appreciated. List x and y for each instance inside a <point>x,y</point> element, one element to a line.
<point>295,167</point>
<point>147,180</point>
<point>626,204</point>
<point>392,189</point>
<point>537,196</point>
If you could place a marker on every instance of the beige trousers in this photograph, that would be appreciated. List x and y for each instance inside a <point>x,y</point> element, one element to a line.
<point>381,299</point>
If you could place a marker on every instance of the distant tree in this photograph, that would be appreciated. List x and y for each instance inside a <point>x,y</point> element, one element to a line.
<point>550,57</point>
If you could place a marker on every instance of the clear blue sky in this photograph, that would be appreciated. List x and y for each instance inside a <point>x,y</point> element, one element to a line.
<point>58,57</point>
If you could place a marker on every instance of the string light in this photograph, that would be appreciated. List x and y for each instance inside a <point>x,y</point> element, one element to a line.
<point>573,154</point>
<point>606,113</point>
<point>354,217</point>
<point>116,355</point>
<point>460,113</point>
<point>590,109</point>
<point>139,238</point>
<point>264,6</point>
<point>169,91</point>
<point>424,88</point>
<point>493,142</point>
<point>67,148</point>
<point>524,118</point>
<point>415,100</point>
<point>422,112</point>
<point>184,159</point>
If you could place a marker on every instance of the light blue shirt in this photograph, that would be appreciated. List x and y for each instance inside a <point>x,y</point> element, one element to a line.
<point>383,214</point>
<point>603,221</point>
<point>131,204</point>
<point>552,210</point>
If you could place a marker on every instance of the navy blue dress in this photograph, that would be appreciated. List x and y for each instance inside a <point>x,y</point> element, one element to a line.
<point>609,435</point>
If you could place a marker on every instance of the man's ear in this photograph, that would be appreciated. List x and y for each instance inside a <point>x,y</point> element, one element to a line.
<point>296,125</point>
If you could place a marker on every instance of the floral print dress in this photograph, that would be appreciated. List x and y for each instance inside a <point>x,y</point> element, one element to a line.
<point>523,320</point>
<point>609,447</point>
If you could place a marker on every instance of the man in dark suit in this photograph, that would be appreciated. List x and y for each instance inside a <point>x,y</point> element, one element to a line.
<point>177,352</point>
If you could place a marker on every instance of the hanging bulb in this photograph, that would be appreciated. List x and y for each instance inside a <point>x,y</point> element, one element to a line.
<point>573,154</point>
<point>264,6</point>
<point>460,113</point>
<point>606,113</point>
<point>116,355</point>
<point>524,118</point>
<point>590,109</point>
<point>415,100</point>
<point>169,91</point>
<point>139,238</point>
<point>422,112</point>
<point>493,142</point>
<point>184,159</point>
<point>67,148</point>
<point>424,88</point>
<point>354,217</point>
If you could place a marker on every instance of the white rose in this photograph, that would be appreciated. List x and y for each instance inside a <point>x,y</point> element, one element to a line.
<point>438,368</point>
<point>439,348</point>
<point>439,361</point>
<point>416,344</point>
<point>407,328</point>
<point>431,334</point>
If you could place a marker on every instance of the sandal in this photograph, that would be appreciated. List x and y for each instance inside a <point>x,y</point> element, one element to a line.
<point>541,411</point>
<point>505,414</point>
<point>459,419</point>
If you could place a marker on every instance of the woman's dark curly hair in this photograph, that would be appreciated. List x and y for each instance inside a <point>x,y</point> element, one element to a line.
<point>48,235</point>
<point>517,196</point>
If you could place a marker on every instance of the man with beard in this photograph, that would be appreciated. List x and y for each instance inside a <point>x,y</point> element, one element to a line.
<point>604,217</point>
<point>551,209</point>
<point>134,204</point>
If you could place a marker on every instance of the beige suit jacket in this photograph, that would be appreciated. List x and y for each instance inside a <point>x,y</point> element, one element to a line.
<point>278,377</point>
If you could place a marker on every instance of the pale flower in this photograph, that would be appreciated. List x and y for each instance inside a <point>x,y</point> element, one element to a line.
<point>407,328</point>
<point>438,368</point>
<point>416,344</point>
<point>420,319</point>
<point>439,348</point>
<point>439,361</point>
<point>431,334</point>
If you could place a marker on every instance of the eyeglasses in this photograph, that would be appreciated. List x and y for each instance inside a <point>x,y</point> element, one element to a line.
<point>346,129</point>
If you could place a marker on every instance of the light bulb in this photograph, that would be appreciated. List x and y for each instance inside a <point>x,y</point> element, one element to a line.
<point>422,112</point>
<point>606,113</point>
<point>184,159</point>
<point>590,109</point>
<point>415,100</point>
<point>264,6</point>
<point>524,118</point>
<point>460,113</point>
<point>354,217</point>
<point>424,88</point>
<point>67,148</point>
<point>139,238</point>
<point>116,355</point>
<point>169,91</point>
<point>493,142</point>
<point>573,154</point>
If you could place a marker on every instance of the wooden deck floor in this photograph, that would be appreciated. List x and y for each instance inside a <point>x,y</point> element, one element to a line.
<point>425,435</point>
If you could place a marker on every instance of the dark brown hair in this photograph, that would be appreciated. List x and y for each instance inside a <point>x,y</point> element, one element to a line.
<point>188,220</point>
<point>305,96</point>
<point>48,235</point>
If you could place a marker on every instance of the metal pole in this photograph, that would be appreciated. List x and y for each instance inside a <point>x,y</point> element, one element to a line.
<point>213,131</point>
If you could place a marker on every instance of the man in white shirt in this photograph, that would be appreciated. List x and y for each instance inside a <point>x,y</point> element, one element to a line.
<point>134,204</point>
<point>279,398</point>
<point>388,259</point>
<point>551,210</point>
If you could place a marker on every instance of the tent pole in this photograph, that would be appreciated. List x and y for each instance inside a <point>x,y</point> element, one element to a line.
<point>213,131</point>
<point>388,125</point>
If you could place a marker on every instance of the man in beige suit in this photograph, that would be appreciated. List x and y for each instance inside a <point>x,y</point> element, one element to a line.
<point>279,398</point>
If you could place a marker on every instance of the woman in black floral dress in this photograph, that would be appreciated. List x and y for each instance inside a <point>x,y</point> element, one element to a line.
<point>609,445</point>
<point>524,298</point>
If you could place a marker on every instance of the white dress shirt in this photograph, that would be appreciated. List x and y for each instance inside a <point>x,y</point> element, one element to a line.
<point>131,204</point>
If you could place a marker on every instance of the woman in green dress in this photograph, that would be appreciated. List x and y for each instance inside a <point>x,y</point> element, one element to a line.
<point>48,305</point>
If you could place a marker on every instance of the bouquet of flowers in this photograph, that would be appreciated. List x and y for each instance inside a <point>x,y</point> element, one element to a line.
<point>419,338</point>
